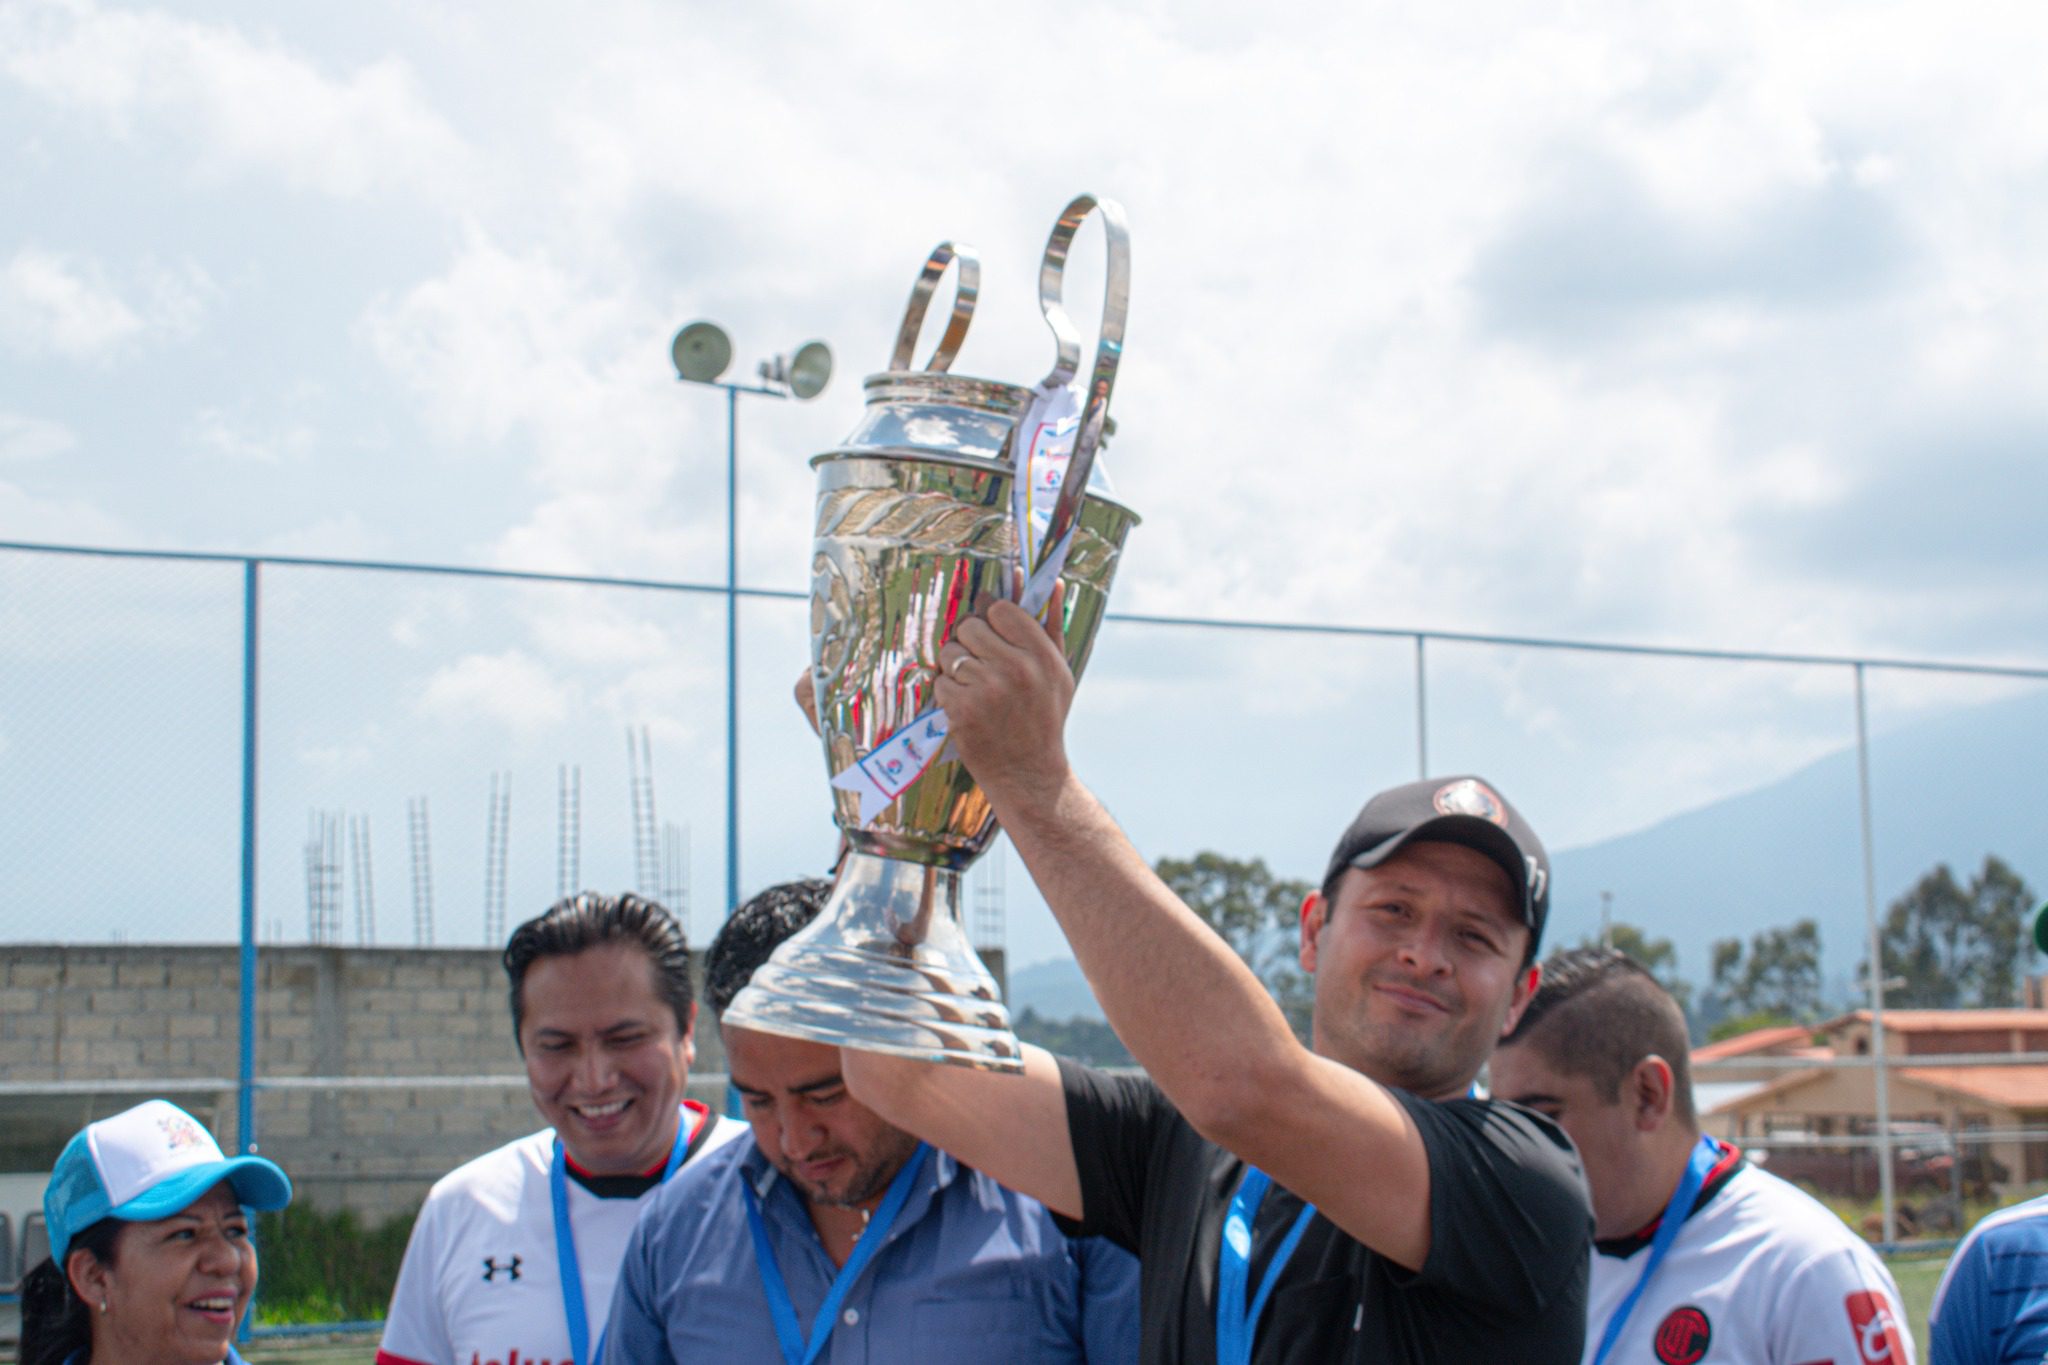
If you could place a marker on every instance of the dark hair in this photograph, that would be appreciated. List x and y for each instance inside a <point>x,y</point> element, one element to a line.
<point>55,1322</point>
<point>588,919</point>
<point>754,931</point>
<point>1597,1013</point>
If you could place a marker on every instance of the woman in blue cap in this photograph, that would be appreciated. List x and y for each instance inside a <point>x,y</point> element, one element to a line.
<point>150,1257</point>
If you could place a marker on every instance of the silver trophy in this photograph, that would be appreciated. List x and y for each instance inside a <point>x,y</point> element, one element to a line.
<point>916,529</point>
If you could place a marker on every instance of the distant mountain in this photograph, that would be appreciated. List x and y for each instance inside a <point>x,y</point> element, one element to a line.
<point>1056,989</point>
<point>1948,789</point>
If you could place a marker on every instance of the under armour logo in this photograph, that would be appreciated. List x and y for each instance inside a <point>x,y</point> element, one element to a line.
<point>492,1269</point>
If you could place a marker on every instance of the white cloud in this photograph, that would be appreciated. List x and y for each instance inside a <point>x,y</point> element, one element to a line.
<point>27,515</point>
<point>218,433</point>
<point>32,438</point>
<point>432,610</point>
<point>1318,420</point>
<point>343,535</point>
<point>511,689</point>
<point>359,753</point>
<point>240,103</point>
<point>56,304</point>
<point>520,351</point>
<point>1322,414</point>
<point>65,304</point>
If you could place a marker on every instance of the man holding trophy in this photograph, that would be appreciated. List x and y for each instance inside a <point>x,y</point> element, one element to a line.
<point>1345,1201</point>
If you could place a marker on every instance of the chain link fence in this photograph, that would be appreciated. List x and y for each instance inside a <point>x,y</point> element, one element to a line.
<point>263,823</point>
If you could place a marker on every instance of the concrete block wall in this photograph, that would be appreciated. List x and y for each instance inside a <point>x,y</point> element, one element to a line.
<point>124,1015</point>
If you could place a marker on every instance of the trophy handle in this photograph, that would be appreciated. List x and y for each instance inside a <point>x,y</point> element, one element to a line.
<point>965,289</point>
<point>1109,347</point>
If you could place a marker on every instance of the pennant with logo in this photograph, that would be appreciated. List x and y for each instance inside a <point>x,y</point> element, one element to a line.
<point>890,768</point>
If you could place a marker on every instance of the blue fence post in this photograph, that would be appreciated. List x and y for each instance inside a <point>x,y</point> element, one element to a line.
<point>245,1065</point>
<point>245,1074</point>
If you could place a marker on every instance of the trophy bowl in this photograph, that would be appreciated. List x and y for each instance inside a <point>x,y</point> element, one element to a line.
<point>916,529</point>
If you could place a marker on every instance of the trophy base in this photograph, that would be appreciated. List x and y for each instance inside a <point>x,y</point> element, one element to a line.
<point>885,967</point>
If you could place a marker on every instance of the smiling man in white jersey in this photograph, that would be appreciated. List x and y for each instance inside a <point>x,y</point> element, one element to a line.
<point>1701,1257</point>
<point>516,1253</point>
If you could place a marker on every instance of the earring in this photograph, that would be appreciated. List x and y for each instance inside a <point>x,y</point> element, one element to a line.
<point>103,1305</point>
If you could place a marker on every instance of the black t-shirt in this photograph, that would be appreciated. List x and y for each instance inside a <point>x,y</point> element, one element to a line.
<point>1510,1227</point>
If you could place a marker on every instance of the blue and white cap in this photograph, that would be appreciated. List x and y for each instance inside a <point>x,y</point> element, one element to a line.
<point>148,1162</point>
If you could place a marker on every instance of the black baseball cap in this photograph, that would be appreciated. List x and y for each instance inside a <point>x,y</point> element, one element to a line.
<point>1452,810</point>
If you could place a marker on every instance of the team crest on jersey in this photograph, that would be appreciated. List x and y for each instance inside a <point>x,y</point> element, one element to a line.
<point>1468,796</point>
<point>493,1268</point>
<point>1683,1336</point>
<point>1876,1328</point>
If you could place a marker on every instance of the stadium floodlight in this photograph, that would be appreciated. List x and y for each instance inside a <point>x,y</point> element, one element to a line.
<point>701,352</point>
<point>801,376</point>
<point>810,369</point>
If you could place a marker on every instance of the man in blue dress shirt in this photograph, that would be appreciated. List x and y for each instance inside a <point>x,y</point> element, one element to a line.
<point>833,1237</point>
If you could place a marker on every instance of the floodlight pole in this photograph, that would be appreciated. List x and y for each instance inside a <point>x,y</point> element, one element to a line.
<point>732,624</point>
<point>732,650</point>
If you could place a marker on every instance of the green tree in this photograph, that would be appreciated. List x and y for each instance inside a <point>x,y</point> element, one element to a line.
<point>1082,1038</point>
<point>1656,955</point>
<point>1957,946</point>
<point>1254,912</point>
<point>1775,980</point>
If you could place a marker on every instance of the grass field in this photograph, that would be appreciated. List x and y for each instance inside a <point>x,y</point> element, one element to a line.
<point>311,1350</point>
<point>1917,1277</point>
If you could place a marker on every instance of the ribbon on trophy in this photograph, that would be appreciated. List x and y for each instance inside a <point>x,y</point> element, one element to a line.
<point>1045,447</point>
<point>1054,448</point>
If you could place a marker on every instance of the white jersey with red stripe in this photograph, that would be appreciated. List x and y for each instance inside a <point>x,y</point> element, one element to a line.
<point>1761,1274</point>
<point>480,1285</point>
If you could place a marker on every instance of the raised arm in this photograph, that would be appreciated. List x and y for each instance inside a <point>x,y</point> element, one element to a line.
<point>1185,1005</point>
<point>1013,1128</point>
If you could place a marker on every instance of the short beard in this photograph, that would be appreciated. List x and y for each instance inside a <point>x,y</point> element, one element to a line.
<point>870,1180</point>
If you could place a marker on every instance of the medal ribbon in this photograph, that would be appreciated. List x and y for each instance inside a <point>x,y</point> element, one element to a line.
<point>795,1350</point>
<point>565,1244</point>
<point>1045,447</point>
<point>1704,1155</point>
<point>1235,1323</point>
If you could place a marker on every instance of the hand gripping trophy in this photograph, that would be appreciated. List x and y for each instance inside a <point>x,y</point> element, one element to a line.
<point>949,493</point>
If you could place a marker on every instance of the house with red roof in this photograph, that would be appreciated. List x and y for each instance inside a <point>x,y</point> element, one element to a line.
<point>1787,1091</point>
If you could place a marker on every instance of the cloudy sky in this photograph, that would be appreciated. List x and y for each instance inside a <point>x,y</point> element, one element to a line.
<point>1620,321</point>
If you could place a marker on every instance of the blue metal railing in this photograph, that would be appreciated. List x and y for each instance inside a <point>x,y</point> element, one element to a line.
<point>252,565</point>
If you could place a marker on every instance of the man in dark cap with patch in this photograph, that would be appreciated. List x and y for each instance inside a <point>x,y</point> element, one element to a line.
<point>1346,1201</point>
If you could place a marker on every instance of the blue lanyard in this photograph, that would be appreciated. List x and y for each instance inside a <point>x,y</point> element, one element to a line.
<point>1235,1324</point>
<point>1704,1155</point>
<point>795,1350</point>
<point>565,1245</point>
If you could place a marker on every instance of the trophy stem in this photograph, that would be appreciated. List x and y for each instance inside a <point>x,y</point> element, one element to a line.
<point>885,967</point>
